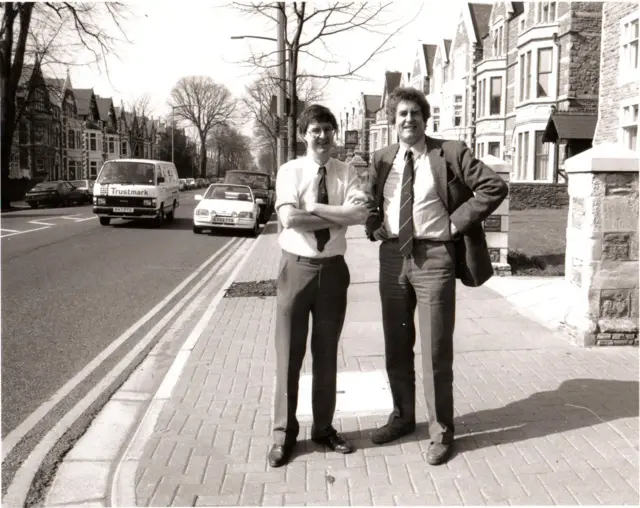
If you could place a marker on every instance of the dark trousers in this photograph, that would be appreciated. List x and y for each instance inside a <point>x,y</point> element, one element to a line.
<point>317,288</point>
<point>425,281</point>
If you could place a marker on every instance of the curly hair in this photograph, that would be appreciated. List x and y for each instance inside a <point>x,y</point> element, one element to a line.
<point>407,94</point>
<point>315,113</point>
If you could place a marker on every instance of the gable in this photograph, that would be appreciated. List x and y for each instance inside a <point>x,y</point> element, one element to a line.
<point>498,13</point>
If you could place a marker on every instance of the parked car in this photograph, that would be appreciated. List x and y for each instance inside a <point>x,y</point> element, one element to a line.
<point>84,185</point>
<point>200,182</point>
<point>261,185</point>
<point>191,183</point>
<point>55,193</point>
<point>182,184</point>
<point>227,206</point>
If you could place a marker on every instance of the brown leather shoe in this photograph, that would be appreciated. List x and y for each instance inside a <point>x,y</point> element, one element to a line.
<point>388,433</point>
<point>438,453</point>
<point>335,442</point>
<point>279,455</point>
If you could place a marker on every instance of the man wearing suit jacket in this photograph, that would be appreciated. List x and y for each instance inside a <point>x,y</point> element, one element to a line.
<point>419,212</point>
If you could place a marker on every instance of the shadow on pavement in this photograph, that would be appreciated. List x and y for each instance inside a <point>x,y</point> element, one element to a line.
<point>576,404</point>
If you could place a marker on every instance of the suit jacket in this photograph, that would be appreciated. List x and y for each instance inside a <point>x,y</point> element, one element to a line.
<point>469,189</point>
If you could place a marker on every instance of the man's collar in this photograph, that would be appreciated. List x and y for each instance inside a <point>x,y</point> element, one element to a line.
<point>416,149</point>
<point>310,162</point>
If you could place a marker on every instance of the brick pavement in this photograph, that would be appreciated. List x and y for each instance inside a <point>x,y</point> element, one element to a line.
<point>538,421</point>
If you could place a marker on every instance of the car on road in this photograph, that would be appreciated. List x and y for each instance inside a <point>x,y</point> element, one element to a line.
<point>261,185</point>
<point>182,184</point>
<point>55,193</point>
<point>191,183</point>
<point>84,185</point>
<point>136,189</point>
<point>227,206</point>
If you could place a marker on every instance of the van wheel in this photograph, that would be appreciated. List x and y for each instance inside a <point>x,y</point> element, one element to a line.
<point>160,217</point>
<point>171,215</point>
<point>197,230</point>
<point>105,221</point>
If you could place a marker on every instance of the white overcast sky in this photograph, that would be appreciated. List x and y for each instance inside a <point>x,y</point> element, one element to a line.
<point>172,39</point>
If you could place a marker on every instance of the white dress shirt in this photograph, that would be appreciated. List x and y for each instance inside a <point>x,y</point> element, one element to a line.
<point>297,184</point>
<point>430,217</point>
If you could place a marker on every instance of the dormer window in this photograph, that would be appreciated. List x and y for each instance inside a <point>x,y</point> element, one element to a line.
<point>545,12</point>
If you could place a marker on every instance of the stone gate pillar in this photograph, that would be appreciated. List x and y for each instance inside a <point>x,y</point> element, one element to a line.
<point>496,226</point>
<point>601,263</point>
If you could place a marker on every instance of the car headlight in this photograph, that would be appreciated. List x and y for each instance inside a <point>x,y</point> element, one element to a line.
<point>245,215</point>
<point>95,200</point>
<point>202,211</point>
<point>149,202</point>
<point>261,201</point>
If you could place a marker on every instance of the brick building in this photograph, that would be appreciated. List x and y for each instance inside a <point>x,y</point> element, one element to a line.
<point>382,133</point>
<point>359,116</point>
<point>619,76</point>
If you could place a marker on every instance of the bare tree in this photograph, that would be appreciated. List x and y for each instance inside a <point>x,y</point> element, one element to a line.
<point>258,100</point>
<point>140,111</point>
<point>231,149</point>
<point>43,34</point>
<point>205,104</point>
<point>307,29</point>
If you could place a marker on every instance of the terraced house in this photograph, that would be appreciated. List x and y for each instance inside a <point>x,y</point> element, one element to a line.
<point>68,133</point>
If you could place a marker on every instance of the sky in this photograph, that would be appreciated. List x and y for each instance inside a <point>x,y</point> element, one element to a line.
<point>171,39</point>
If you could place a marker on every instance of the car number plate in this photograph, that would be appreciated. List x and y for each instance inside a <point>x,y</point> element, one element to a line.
<point>123,210</point>
<point>223,220</point>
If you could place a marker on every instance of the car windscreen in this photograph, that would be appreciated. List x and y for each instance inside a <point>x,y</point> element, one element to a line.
<point>78,183</point>
<point>45,186</point>
<point>228,192</point>
<point>133,173</point>
<point>250,179</point>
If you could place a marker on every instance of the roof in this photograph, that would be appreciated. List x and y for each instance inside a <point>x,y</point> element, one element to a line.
<point>570,126</point>
<point>392,80</point>
<point>518,8</point>
<point>117,110</point>
<point>429,51</point>
<point>104,104</point>
<point>371,104</point>
<point>83,100</point>
<point>56,87</point>
<point>447,47</point>
<point>481,17</point>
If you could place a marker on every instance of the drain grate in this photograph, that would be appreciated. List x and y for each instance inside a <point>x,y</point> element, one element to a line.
<point>255,288</point>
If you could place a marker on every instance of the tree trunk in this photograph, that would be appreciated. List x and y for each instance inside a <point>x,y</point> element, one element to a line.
<point>203,156</point>
<point>292,118</point>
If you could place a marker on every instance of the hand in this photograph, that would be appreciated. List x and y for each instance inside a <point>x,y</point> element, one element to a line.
<point>381,234</point>
<point>356,197</point>
<point>453,230</point>
<point>310,207</point>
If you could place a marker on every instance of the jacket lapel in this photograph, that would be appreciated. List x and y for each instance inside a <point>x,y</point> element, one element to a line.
<point>439,169</point>
<point>386,161</point>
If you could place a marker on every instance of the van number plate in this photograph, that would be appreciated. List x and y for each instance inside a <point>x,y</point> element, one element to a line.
<point>123,210</point>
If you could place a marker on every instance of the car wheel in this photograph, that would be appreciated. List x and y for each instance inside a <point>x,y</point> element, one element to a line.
<point>105,221</point>
<point>197,230</point>
<point>171,215</point>
<point>160,217</point>
<point>256,229</point>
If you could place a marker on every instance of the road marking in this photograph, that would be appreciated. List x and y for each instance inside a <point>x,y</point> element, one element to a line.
<point>123,485</point>
<point>42,222</point>
<point>17,492</point>
<point>26,231</point>
<point>17,434</point>
<point>10,230</point>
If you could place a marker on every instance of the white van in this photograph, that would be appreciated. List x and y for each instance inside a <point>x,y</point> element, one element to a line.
<point>136,189</point>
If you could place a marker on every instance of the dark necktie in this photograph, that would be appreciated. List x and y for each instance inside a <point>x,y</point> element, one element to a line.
<point>322,235</point>
<point>405,234</point>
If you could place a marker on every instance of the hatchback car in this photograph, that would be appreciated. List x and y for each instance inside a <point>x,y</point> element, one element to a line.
<point>56,193</point>
<point>227,206</point>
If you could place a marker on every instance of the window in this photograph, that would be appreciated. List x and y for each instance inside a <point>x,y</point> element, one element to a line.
<point>546,12</point>
<point>112,146</point>
<point>40,134</point>
<point>544,72</point>
<point>93,141</point>
<point>93,169</point>
<point>481,108</point>
<point>124,148</point>
<point>494,149</point>
<point>38,99</point>
<point>457,111</point>
<point>496,96</point>
<point>523,155</point>
<point>525,76</point>
<point>542,158</point>
<point>498,47</point>
<point>436,119</point>
<point>480,151</point>
<point>629,49</point>
<point>629,124</point>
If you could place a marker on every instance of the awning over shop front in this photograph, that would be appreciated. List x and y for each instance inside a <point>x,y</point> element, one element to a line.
<point>569,126</point>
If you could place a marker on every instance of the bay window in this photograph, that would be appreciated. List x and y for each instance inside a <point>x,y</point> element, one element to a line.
<point>543,88</point>
<point>496,96</point>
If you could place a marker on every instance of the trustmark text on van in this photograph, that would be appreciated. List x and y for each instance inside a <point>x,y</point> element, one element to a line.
<point>136,189</point>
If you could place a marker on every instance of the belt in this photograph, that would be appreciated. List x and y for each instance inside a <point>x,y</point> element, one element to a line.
<point>313,261</point>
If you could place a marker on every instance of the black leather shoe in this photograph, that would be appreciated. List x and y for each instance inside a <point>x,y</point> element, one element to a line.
<point>438,453</point>
<point>335,442</point>
<point>279,455</point>
<point>388,433</point>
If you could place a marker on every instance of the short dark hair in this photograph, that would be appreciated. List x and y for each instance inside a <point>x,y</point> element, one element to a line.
<point>315,113</point>
<point>407,94</point>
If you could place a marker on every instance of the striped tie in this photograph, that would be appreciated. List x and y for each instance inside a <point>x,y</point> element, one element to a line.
<point>405,235</point>
<point>322,235</point>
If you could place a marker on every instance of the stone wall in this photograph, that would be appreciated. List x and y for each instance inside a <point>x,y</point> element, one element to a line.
<point>611,91</point>
<point>537,195</point>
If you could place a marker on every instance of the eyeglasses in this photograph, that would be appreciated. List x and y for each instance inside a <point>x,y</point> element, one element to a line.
<point>317,131</point>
